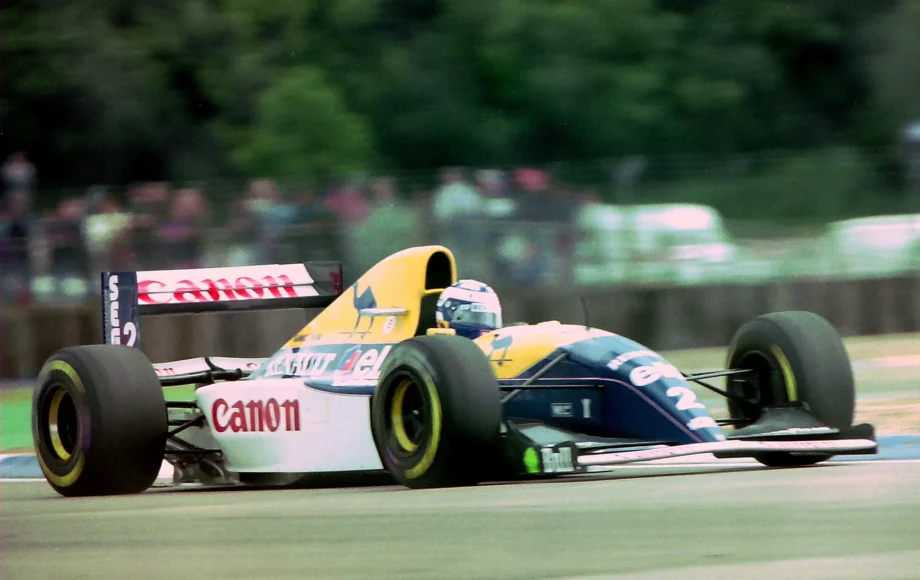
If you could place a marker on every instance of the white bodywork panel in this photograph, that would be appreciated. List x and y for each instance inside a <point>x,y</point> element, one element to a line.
<point>199,365</point>
<point>283,426</point>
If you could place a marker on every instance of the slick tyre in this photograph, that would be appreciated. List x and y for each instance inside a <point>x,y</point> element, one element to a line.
<point>99,421</point>
<point>436,413</point>
<point>796,357</point>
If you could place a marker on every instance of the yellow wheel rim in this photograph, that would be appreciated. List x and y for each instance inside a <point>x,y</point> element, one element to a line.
<point>51,431</point>
<point>432,449</point>
<point>54,425</point>
<point>792,392</point>
<point>396,417</point>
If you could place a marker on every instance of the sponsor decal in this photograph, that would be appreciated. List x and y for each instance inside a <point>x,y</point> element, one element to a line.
<point>363,364</point>
<point>500,344</point>
<point>364,299</point>
<point>557,461</point>
<point>153,291</point>
<point>686,398</point>
<point>472,295</point>
<point>703,422</point>
<point>646,375</point>
<point>349,358</point>
<point>531,461</point>
<point>256,416</point>
<point>626,357</point>
<point>301,364</point>
<point>356,364</point>
<point>389,324</point>
<point>561,409</point>
<point>129,329</point>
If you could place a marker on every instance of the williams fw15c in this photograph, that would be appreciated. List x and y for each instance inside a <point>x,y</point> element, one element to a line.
<point>373,385</point>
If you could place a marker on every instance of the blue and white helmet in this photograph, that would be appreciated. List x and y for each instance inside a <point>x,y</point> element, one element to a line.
<point>470,308</point>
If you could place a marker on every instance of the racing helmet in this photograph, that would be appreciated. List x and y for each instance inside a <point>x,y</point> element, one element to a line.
<point>470,308</point>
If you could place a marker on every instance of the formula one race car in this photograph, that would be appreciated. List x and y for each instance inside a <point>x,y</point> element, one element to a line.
<point>373,385</point>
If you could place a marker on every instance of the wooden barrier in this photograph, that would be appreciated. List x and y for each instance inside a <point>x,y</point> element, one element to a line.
<point>662,318</point>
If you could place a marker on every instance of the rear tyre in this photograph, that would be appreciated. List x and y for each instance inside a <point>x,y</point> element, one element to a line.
<point>436,413</point>
<point>99,421</point>
<point>796,357</point>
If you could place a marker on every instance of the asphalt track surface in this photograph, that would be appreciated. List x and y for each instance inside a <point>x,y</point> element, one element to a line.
<point>840,521</point>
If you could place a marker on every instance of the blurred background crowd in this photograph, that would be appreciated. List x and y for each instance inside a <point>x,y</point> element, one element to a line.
<point>515,224</point>
<point>516,227</point>
<point>662,142</point>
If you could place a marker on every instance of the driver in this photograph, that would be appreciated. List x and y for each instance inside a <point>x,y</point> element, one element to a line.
<point>470,308</point>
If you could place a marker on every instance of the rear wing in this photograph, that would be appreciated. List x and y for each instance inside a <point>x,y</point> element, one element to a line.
<point>126,296</point>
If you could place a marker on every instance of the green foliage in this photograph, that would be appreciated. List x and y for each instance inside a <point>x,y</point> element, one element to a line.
<point>111,90</point>
<point>302,131</point>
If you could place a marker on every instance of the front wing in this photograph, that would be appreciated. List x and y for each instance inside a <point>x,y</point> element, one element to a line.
<point>529,448</point>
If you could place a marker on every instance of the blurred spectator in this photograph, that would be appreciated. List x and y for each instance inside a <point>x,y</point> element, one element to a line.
<point>271,215</point>
<point>391,226</point>
<point>308,209</point>
<point>349,207</point>
<point>348,204</point>
<point>107,232</point>
<point>526,249</point>
<point>19,177</point>
<point>16,230</point>
<point>239,238</point>
<point>312,234</point>
<point>534,195</point>
<point>492,187</point>
<point>511,217</point>
<point>457,210</point>
<point>181,235</point>
<point>64,233</point>
<point>456,201</point>
<point>383,193</point>
<point>148,204</point>
<point>566,205</point>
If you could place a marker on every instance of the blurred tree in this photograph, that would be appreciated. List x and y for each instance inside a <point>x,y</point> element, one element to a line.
<point>113,90</point>
<point>893,47</point>
<point>302,132</point>
<point>80,92</point>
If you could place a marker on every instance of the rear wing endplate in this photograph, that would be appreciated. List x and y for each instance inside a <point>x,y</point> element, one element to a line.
<point>126,296</point>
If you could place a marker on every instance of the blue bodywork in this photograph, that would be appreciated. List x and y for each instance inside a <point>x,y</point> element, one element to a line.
<point>661,407</point>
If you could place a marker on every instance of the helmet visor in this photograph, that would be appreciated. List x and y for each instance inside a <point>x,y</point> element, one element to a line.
<point>480,314</point>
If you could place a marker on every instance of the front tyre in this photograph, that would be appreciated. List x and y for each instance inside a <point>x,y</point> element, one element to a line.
<point>99,421</point>
<point>795,357</point>
<point>436,413</point>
